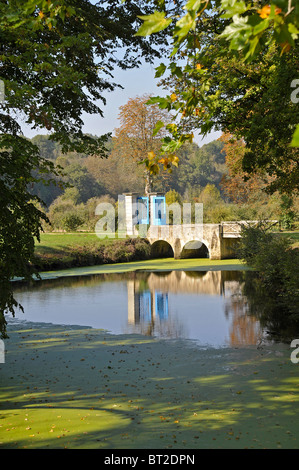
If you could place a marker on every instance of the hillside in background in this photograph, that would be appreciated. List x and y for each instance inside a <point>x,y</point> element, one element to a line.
<point>205,174</point>
<point>93,176</point>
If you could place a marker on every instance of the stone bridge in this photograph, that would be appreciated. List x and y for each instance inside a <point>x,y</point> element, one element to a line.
<point>214,241</point>
<point>147,217</point>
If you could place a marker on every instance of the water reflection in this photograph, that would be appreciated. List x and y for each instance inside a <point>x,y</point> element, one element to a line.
<point>205,306</point>
<point>148,306</point>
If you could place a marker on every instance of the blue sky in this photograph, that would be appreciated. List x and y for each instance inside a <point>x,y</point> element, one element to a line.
<point>136,82</point>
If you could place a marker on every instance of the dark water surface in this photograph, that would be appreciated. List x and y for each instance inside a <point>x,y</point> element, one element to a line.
<point>207,307</point>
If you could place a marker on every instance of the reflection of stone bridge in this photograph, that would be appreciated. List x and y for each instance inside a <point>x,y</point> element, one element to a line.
<point>150,301</point>
<point>214,241</point>
<point>193,282</point>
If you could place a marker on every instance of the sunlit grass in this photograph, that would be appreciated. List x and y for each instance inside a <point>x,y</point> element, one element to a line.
<point>60,241</point>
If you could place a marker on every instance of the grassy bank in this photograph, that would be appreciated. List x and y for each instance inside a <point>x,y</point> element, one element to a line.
<point>57,242</point>
<point>85,253</point>
<point>294,236</point>
<point>59,251</point>
<point>69,250</point>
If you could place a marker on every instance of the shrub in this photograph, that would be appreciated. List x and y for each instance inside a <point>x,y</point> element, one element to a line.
<point>253,238</point>
<point>219,213</point>
<point>277,267</point>
<point>93,254</point>
<point>127,250</point>
<point>71,222</point>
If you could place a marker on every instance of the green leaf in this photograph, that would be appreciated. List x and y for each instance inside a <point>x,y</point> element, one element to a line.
<point>233,7</point>
<point>295,140</point>
<point>293,30</point>
<point>175,70</point>
<point>160,70</point>
<point>239,26</point>
<point>157,127</point>
<point>253,48</point>
<point>172,146</point>
<point>193,5</point>
<point>261,26</point>
<point>163,103</point>
<point>153,23</point>
<point>184,25</point>
<point>282,35</point>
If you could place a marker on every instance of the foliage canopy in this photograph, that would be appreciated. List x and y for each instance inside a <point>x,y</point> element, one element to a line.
<point>231,68</point>
<point>56,62</point>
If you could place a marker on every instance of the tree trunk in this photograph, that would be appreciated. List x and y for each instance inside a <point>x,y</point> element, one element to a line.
<point>148,184</point>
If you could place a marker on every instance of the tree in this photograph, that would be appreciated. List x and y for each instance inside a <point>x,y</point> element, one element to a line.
<point>210,196</point>
<point>78,177</point>
<point>198,170</point>
<point>275,284</point>
<point>232,68</point>
<point>60,209</point>
<point>239,186</point>
<point>116,174</point>
<point>135,138</point>
<point>71,222</point>
<point>48,148</point>
<point>56,60</point>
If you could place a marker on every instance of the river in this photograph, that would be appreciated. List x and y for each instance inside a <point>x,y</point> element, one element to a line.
<point>207,307</point>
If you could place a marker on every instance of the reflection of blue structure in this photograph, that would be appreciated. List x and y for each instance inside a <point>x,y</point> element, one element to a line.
<point>160,304</point>
<point>145,306</point>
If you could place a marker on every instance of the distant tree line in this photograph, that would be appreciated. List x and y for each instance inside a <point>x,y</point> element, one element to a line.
<point>209,174</point>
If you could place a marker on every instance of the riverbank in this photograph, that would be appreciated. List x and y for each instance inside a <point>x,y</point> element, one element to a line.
<point>79,388</point>
<point>64,251</point>
<point>58,251</point>
<point>63,254</point>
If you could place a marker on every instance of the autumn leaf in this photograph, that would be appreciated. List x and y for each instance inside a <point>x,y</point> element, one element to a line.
<point>285,47</point>
<point>151,155</point>
<point>265,11</point>
<point>174,159</point>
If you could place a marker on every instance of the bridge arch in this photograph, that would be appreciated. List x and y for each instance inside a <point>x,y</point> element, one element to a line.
<point>195,249</point>
<point>162,249</point>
